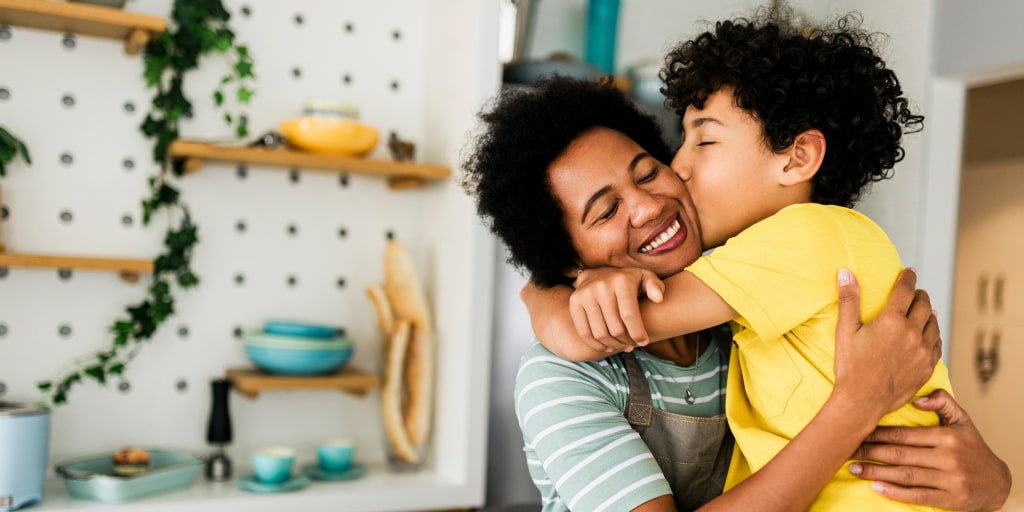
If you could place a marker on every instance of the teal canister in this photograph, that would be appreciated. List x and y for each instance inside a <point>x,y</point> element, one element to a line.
<point>24,446</point>
<point>602,27</point>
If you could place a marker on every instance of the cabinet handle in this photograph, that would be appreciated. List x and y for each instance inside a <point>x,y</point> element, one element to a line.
<point>997,293</point>
<point>986,361</point>
<point>982,292</point>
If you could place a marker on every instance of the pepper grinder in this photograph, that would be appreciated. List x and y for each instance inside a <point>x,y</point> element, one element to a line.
<point>218,432</point>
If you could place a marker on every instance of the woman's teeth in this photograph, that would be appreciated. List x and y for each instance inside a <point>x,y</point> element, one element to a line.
<point>669,233</point>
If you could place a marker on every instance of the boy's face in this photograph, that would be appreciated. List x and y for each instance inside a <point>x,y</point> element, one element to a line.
<point>622,207</point>
<point>730,171</point>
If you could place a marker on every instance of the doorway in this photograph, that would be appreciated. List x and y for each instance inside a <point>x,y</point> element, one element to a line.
<point>987,335</point>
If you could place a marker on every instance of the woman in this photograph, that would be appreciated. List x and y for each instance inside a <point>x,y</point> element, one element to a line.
<point>579,415</point>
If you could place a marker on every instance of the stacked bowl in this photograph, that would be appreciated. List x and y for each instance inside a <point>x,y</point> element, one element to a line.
<point>295,348</point>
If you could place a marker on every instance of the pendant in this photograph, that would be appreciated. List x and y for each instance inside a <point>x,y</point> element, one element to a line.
<point>689,397</point>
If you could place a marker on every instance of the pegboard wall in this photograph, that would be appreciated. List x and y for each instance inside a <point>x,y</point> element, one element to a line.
<point>274,243</point>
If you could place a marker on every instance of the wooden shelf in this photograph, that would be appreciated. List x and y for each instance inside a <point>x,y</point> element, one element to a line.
<point>90,20</point>
<point>401,174</point>
<point>251,382</point>
<point>129,269</point>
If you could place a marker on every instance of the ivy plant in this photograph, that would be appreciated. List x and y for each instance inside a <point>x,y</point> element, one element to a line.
<point>197,28</point>
<point>10,148</point>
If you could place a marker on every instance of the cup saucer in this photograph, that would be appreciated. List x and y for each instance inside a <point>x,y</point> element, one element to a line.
<point>251,484</point>
<point>316,472</point>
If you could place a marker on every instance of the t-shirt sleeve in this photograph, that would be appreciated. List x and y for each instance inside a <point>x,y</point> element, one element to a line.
<point>579,446</point>
<point>774,272</point>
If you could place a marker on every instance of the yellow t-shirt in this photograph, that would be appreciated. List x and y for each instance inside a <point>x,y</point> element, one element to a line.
<point>780,277</point>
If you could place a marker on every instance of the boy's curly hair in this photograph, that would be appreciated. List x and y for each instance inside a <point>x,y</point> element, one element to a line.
<point>794,78</point>
<point>506,165</point>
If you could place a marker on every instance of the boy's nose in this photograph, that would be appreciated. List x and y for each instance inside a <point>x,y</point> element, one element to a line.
<point>681,166</point>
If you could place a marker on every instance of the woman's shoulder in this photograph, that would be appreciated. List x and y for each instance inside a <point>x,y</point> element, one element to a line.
<point>538,362</point>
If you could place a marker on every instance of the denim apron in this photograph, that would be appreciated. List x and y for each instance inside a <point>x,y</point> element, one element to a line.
<point>693,452</point>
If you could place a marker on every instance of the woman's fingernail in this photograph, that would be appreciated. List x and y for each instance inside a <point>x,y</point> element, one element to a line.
<point>845,276</point>
<point>856,468</point>
<point>878,486</point>
<point>921,401</point>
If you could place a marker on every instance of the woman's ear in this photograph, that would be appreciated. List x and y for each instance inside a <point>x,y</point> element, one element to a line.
<point>805,157</point>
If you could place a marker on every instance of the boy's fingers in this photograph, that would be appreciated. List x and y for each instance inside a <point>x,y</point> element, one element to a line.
<point>629,308</point>
<point>652,286</point>
<point>582,325</point>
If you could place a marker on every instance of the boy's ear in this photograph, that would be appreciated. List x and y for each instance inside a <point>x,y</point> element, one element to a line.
<point>805,157</point>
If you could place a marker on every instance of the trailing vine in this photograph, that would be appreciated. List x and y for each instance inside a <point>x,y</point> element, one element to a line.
<point>10,147</point>
<point>196,28</point>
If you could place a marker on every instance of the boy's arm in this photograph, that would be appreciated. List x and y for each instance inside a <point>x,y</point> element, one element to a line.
<point>552,324</point>
<point>601,315</point>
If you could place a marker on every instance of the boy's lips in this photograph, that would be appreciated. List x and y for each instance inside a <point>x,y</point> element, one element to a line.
<point>669,235</point>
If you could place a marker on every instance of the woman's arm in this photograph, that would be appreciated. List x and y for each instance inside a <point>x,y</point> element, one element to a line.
<point>949,466</point>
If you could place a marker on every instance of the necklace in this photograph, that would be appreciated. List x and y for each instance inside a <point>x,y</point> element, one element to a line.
<point>693,372</point>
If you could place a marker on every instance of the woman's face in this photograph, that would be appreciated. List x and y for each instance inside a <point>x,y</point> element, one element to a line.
<point>622,207</point>
<point>729,170</point>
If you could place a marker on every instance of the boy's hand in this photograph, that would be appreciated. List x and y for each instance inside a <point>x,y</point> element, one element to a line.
<point>949,466</point>
<point>605,306</point>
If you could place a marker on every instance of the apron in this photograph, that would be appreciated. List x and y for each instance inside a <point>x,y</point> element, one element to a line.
<point>693,452</point>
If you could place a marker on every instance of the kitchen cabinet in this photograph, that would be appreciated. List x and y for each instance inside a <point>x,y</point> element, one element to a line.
<point>134,29</point>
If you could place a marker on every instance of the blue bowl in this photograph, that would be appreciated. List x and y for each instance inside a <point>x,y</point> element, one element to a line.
<point>299,329</point>
<point>265,340</point>
<point>298,362</point>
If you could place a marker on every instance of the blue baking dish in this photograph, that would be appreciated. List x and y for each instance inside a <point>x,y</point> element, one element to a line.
<point>93,478</point>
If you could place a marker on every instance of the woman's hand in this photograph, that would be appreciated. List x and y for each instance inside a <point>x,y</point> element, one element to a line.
<point>605,306</point>
<point>884,363</point>
<point>949,467</point>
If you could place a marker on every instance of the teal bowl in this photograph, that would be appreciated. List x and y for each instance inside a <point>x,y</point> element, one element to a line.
<point>299,329</point>
<point>275,341</point>
<point>298,362</point>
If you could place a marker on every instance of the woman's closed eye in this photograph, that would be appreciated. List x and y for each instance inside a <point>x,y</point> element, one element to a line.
<point>649,176</point>
<point>610,212</point>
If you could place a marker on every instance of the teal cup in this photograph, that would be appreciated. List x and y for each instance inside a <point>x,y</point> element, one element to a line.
<point>273,465</point>
<point>335,455</point>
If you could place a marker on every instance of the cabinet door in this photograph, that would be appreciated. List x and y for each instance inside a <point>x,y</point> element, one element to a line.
<point>988,306</point>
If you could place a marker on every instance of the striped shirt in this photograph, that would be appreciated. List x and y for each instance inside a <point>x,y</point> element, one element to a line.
<point>580,449</point>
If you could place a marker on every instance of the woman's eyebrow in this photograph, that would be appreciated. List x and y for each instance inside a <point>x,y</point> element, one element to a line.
<point>607,188</point>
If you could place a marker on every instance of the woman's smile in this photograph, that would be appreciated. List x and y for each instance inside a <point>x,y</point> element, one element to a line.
<point>665,238</point>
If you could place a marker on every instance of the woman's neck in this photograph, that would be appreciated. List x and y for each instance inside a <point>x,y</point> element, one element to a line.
<point>681,350</point>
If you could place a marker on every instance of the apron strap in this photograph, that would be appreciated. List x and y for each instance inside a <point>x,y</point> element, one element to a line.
<point>638,412</point>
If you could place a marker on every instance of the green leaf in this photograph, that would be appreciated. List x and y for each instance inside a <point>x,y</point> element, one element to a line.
<point>244,94</point>
<point>241,131</point>
<point>116,369</point>
<point>97,373</point>
<point>6,153</point>
<point>218,98</point>
<point>44,385</point>
<point>243,69</point>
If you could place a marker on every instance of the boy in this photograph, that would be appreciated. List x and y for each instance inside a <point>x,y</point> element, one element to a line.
<point>761,102</point>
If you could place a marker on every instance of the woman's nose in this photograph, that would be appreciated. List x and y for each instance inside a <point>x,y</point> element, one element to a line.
<point>645,207</point>
<point>680,166</point>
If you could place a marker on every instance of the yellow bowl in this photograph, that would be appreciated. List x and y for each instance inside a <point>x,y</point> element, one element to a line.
<point>329,135</point>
